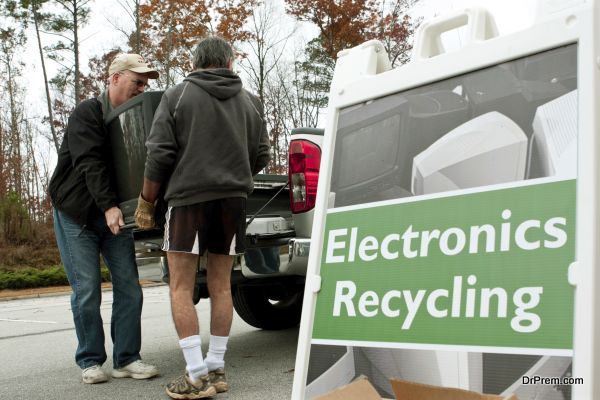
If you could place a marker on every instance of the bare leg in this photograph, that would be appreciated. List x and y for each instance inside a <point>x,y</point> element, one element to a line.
<point>219,287</point>
<point>182,278</point>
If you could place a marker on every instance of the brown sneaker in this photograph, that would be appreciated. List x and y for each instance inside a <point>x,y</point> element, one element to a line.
<point>184,388</point>
<point>218,380</point>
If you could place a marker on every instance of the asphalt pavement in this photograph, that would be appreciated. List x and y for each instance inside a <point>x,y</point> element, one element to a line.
<point>37,345</point>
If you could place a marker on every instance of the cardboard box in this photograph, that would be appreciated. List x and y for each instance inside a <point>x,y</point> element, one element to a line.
<point>361,389</point>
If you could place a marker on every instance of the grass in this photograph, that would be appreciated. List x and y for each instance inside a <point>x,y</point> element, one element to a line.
<point>33,277</point>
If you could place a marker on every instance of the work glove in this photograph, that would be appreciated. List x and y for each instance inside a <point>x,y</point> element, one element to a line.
<point>144,214</point>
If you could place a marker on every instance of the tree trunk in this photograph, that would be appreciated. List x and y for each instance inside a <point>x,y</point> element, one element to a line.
<point>46,86</point>
<point>76,53</point>
<point>138,28</point>
<point>3,188</point>
<point>14,133</point>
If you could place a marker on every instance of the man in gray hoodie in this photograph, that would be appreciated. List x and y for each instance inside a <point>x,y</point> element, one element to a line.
<point>208,139</point>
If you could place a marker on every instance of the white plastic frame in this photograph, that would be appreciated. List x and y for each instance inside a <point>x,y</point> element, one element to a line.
<point>358,79</point>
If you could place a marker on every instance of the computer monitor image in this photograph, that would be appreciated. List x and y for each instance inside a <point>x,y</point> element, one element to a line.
<point>554,140</point>
<point>517,88</point>
<point>376,141</point>
<point>497,89</point>
<point>370,144</point>
<point>128,127</point>
<point>430,116</point>
<point>331,367</point>
<point>554,68</point>
<point>380,138</point>
<point>486,150</point>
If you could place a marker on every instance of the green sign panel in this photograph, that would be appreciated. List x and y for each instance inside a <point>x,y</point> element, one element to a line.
<point>478,269</point>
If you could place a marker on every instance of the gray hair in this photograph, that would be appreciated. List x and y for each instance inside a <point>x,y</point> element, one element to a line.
<point>212,52</point>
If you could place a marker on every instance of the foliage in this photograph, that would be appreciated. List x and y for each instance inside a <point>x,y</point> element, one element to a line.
<point>347,23</point>
<point>12,41</point>
<point>29,12</point>
<point>40,253</point>
<point>269,35</point>
<point>33,277</point>
<point>171,28</point>
<point>63,22</point>
<point>313,75</point>
<point>344,24</point>
<point>19,187</point>
<point>67,25</point>
<point>341,23</point>
<point>395,30</point>
<point>14,219</point>
<point>94,82</point>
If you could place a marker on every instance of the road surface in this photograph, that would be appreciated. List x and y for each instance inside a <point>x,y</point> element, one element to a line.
<point>37,344</point>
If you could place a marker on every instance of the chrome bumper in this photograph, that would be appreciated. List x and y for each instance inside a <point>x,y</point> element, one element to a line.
<point>298,256</point>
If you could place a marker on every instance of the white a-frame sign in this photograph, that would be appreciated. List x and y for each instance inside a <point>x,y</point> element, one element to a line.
<point>456,227</point>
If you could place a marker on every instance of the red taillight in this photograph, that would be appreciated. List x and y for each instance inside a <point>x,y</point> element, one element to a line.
<point>303,173</point>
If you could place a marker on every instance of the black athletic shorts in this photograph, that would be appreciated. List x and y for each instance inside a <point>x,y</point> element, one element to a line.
<point>218,226</point>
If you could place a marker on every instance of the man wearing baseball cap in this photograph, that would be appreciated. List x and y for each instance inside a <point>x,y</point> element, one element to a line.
<point>128,77</point>
<point>87,223</point>
<point>132,62</point>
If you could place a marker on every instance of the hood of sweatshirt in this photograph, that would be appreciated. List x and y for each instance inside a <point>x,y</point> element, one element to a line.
<point>106,106</point>
<point>221,83</point>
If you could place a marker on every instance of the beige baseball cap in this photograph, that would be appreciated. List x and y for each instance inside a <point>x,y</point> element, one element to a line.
<point>132,62</point>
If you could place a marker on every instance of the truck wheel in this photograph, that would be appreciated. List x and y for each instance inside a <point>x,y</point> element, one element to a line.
<point>255,307</point>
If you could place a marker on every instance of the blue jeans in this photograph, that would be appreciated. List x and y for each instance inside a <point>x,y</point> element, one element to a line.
<point>80,248</point>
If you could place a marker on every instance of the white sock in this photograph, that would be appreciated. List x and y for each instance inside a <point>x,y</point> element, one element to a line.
<point>216,352</point>
<point>192,352</point>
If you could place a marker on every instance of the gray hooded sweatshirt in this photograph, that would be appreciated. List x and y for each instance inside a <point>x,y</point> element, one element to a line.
<point>208,139</point>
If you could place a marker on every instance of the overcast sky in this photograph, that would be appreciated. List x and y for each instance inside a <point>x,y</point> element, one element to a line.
<point>101,34</point>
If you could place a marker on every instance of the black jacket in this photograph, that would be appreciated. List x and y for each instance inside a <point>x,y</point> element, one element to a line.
<point>83,182</point>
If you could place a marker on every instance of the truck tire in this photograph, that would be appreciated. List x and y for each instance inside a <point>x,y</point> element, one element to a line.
<point>255,307</point>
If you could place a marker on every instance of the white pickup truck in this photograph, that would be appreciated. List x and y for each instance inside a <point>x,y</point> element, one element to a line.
<point>304,159</point>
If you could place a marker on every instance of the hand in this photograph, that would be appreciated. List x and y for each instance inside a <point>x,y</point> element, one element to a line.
<point>144,214</point>
<point>114,219</point>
